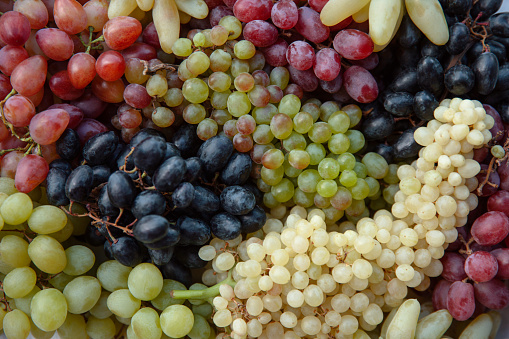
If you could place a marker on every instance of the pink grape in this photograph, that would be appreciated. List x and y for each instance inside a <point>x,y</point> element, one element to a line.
<point>369,62</point>
<point>276,94</point>
<point>121,32</point>
<point>81,69</point>
<point>327,64</point>
<point>90,105</point>
<point>502,255</point>
<point>75,114</point>
<point>493,294</point>
<point>246,124</point>
<point>353,44</point>
<point>285,14</point>
<point>242,143</point>
<point>9,163</point>
<point>10,57</point>
<point>140,51</point>
<point>307,79</point>
<point>295,90</point>
<point>29,76</point>
<point>481,266</point>
<point>70,16</point>
<point>14,28</point>
<point>439,297</point>
<point>360,84</point>
<point>46,127</point>
<point>31,172</point>
<point>300,55</point>
<point>35,11</point>
<point>275,55</point>
<point>260,33</point>
<point>310,26</point>
<point>97,13</point>
<point>490,228</point>
<point>453,267</point>
<point>461,300</point>
<point>249,10</point>
<point>136,96</point>
<point>110,65</point>
<point>19,110</point>
<point>150,36</point>
<point>317,5</point>
<point>56,44</point>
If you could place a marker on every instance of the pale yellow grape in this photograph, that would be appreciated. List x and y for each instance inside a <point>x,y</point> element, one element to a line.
<point>74,327</point>
<point>59,281</point>
<point>16,325</point>
<point>182,47</point>
<point>100,328</point>
<point>14,251</point>
<point>100,309</point>
<point>82,293</point>
<point>254,305</point>
<point>16,209</point>
<point>23,304</point>
<point>7,186</point>
<point>244,49</point>
<point>336,11</point>
<point>47,254</point>
<point>19,282</point>
<point>145,324</point>
<point>157,85</point>
<point>238,104</point>
<point>177,321</point>
<point>65,233</point>
<point>47,219</point>
<point>221,303</point>
<point>113,275</point>
<point>233,25</point>
<point>48,309</point>
<point>80,260</point>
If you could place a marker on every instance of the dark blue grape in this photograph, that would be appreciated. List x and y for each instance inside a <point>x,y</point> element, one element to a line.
<point>377,125</point>
<point>68,145</point>
<point>214,153</point>
<point>127,251</point>
<point>193,231</point>
<point>237,170</point>
<point>430,49</point>
<point>108,251</point>
<point>148,154</point>
<point>457,7</point>
<point>55,187</point>
<point>255,190</point>
<point>237,200</point>
<point>148,202</point>
<point>171,238</point>
<point>503,78</point>
<point>62,165</point>
<point>499,24</point>
<point>430,75</point>
<point>459,79</point>
<point>105,206</point>
<point>225,226</point>
<point>121,190</point>
<point>151,228</point>
<point>405,146</point>
<point>162,256</point>
<point>79,183</point>
<point>170,174</point>
<point>144,134</point>
<point>502,40</point>
<point>485,7</point>
<point>100,148</point>
<point>193,169</point>
<point>93,236</point>
<point>188,256</point>
<point>253,221</point>
<point>408,34</point>
<point>176,271</point>
<point>186,140</point>
<point>498,49</point>
<point>183,195</point>
<point>405,81</point>
<point>399,104</point>
<point>385,151</point>
<point>205,200</point>
<point>408,58</point>
<point>503,110</point>
<point>101,174</point>
<point>128,163</point>
<point>459,37</point>
<point>171,151</point>
<point>424,105</point>
<point>106,230</point>
<point>485,68</point>
<point>112,162</point>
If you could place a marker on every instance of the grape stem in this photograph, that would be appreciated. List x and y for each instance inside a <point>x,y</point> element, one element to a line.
<point>90,41</point>
<point>211,292</point>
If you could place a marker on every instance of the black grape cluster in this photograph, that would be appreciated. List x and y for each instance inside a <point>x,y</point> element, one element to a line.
<point>154,200</point>
<point>472,65</point>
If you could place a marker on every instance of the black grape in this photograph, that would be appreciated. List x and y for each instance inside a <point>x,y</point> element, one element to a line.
<point>183,195</point>
<point>237,170</point>
<point>377,125</point>
<point>170,174</point>
<point>193,169</point>
<point>101,174</point>
<point>171,238</point>
<point>503,78</point>
<point>385,151</point>
<point>68,145</point>
<point>148,154</point>
<point>108,251</point>
<point>188,256</point>
<point>255,190</point>
<point>55,187</point>
<point>430,49</point>
<point>151,228</point>
<point>486,7</point>
<point>430,75</point>
<point>144,134</point>
<point>459,37</point>
<point>193,231</point>
<point>79,183</point>
<point>225,226</point>
<point>93,236</point>
<point>100,148</point>
<point>161,256</point>
<point>457,7</point>
<point>205,200</point>
<point>252,221</point>
<point>214,153</point>
<point>176,271</point>
<point>405,146</point>
<point>408,58</point>
<point>498,49</point>
<point>128,163</point>
<point>105,206</point>
<point>459,79</point>
<point>121,190</point>
<point>405,81</point>
<point>485,68</point>
<point>408,34</point>
<point>171,151</point>
<point>499,24</point>
<point>237,200</point>
<point>148,202</point>
<point>62,165</point>
<point>424,105</point>
<point>127,251</point>
<point>399,104</point>
<point>186,140</point>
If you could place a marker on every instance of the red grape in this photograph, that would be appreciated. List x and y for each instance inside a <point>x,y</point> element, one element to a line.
<point>47,126</point>
<point>492,294</point>
<point>260,33</point>
<point>353,44</point>
<point>307,79</point>
<point>19,110</point>
<point>35,11</point>
<point>5,86</point>
<point>246,124</point>
<point>440,292</point>
<point>300,55</point>
<point>242,143</point>
<point>70,16</point>
<point>453,267</point>
<point>11,142</point>
<point>29,76</point>
<point>217,13</point>
<point>60,84</point>
<point>90,105</point>
<point>88,128</point>
<point>108,91</point>
<point>360,84</point>
<point>130,118</point>
<point>97,13</point>
<point>141,51</point>
<point>75,114</point>
<point>461,300</point>
<point>81,70</point>
<point>369,62</point>
<point>310,26</point>
<point>249,10</point>
<point>502,255</point>
<point>481,266</point>
<point>121,32</point>
<point>56,44</point>
<point>9,163</point>
<point>490,228</point>
<point>499,202</point>
<point>341,25</point>
<point>327,64</point>
<point>10,57</point>
<point>136,96</point>
<point>498,129</point>
<point>276,94</point>
<point>31,172</point>
<point>317,5</point>
<point>332,86</point>
<point>150,36</point>
<point>275,55</point>
<point>494,178</point>
<point>295,90</point>
<point>110,65</point>
<point>285,14</point>
<point>14,28</point>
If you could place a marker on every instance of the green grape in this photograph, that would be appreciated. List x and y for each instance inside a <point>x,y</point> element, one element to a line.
<point>262,135</point>
<point>233,25</point>
<point>198,63</point>
<point>244,82</point>
<point>24,303</point>
<point>48,309</point>
<point>280,77</point>
<point>273,158</point>
<point>163,117</point>
<point>354,113</point>
<point>316,153</point>
<point>329,168</point>
<point>219,100</point>
<point>100,309</point>
<point>332,215</point>
<point>376,164</point>
<point>16,209</point>
<point>80,223</point>
<point>361,170</point>
<point>320,132</point>
<point>194,113</point>
<point>199,39</point>
<point>302,122</point>
<point>308,180</point>
<point>60,280</point>
<point>263,115</point>
<point>346,161</point>
<point>16,325</point>
<point>389,192</point>
<point>339,143</point>
<point>40,334</point>
<point>207,128</point>
<point>272,176</point>
<point>218,35</point>
<point>339,122</point>
<point>303,199</point>
<point>377,204</point>
<point>356,208</point>
<point>239,66</point>
<point>14,251</point>
<point>219,81</point>
<point>355,219</point>
<point>19,282</point>
<point>348,178</point>
<point>392,175</point>
<point>173,97</point>
<point>47,254</point>
<point>183,72</point>
<point>244,49</point>
<point>201,328</point>
<point>357,140</point>
<point>182,47</point>
<point>74,327</point>
<point>298,159</point>
<point>321,202</point>
<point>313,109</point>
<point>315,101</point>
<point>262,186</point>
<point>195,90</point>
<point>291,171</point>
<point>238,104</point>
<point>342,199</point>
<point>289,105</point>
<point>82,293</point>
<point>327,188</point>
<point>294,141</point>
<point>283,191</point>
<point>220,61</point>
<point>374,186</point>
<point>269,201</point>
<point>100,328</point>
<point>113,275</point>
<point>281,126</point>
<point>47,219</point>
<point>220,115</point>
<point>257,62</point>
<point>7,186</point>
<point>145,281</point>
<point>157,85</point>
<point>177,321</point>
<point>164,299</point>
<point>327,109</point>
<point>145,324</point>
<point>123,304</point>
<point>205,310</point>
<point>360,190</point>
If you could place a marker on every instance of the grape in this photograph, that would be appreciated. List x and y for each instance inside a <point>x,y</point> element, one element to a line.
<point>82,293</point>
<point>19,282</point>
<point>110,65</point>
<point>249,10</point>
<point>47,126</point>
<point>502,259</point>
<point>490,228</point>
<point>98,328</point>
<point>97,14</point>
<point>285,14</point>
<point>493,294</point>
<point>60,84</point>
<point>485,69</point>
<point>70,16</point>
<point>353,44</point>
<point>55,44</point>
<point>481,266</point>
<point>81,70</point>
<point>177,321</point>
<point>461,300</point>
<point>35,11</point>
<point>454,267</point>
<point>310,26</point>
<point>19,110</point>
<point>145,323</point>
<point>80,259</point>
<point>121,32</point>
<point>300,55</point>
<point>307,79</point>
<point>16,324</point>
<point>360,84</point>
<point>327,65</point>
<point>29,75</point>
<point>10,57</point>
<point>275,55</point>
<point>14,28</point>
<point>108,91</point>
